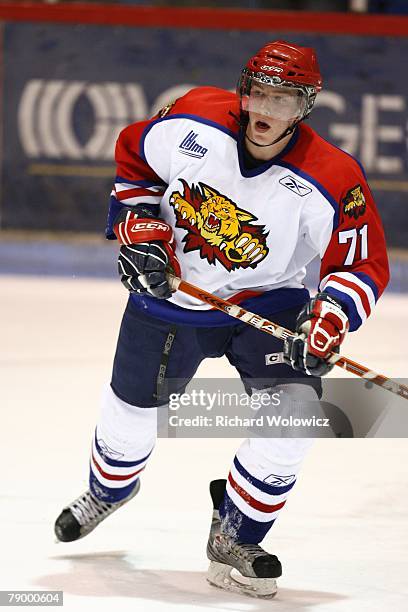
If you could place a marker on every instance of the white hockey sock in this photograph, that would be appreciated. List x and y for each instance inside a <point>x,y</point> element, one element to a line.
<point>262,475</point>
<point>124,439</point>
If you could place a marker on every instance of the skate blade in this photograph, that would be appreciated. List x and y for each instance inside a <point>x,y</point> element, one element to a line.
<point>220,575</point>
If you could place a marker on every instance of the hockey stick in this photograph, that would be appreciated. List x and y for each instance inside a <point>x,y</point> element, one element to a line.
<point>273,329</point>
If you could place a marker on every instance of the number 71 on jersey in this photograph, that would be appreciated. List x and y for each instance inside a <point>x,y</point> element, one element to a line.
<point>352,235</point>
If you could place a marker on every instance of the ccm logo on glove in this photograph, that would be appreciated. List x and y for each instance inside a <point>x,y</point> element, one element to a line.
<point>141,225</point>
<point>133,230</point>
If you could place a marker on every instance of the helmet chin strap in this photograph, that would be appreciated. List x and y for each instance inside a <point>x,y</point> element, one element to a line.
<point>288,131</point>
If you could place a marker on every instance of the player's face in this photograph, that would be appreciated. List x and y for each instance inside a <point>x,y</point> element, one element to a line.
<point>264,130</point>
<point>280,103</point>
<point>271,110</point>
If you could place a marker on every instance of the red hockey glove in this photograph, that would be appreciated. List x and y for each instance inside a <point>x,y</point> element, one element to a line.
<point>147,252</point>
<point>321,327</point>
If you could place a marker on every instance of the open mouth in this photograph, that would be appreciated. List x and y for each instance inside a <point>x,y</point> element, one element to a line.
<point>261,126</point>
<point>212,223</point>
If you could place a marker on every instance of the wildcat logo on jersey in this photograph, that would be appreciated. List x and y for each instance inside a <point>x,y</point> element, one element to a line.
<point>354,202</point>
<point>217,228</point>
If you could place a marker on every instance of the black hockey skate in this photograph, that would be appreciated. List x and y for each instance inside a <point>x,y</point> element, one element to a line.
<point>236,566</point>
<point>84,514</point>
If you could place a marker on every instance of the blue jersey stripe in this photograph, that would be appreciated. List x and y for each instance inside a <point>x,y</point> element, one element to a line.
<point>114,209</point>
<point>368,281</point>
<point>140,183</point>
<point>352,314</point>
<point>115,463</point>
<point>264,304</point>
<point>275,161</point>
<point>259,484</point>
<point>196,118</point>
<point>110,495</point>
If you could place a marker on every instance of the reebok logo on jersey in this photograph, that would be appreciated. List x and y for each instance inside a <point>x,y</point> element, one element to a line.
<point>292,183</point>
<point>190,146</point>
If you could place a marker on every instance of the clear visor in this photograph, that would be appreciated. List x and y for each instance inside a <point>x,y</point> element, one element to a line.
<point>284,103</point>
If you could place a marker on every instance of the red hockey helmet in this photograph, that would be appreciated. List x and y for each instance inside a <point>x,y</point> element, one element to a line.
<point>281,64</point>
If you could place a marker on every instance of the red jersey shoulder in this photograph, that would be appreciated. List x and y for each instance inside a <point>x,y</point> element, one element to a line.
<point>332,168</point>
<point>129,137</point>
<point>207,103</point>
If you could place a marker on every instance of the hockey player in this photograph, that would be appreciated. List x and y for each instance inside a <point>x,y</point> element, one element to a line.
<point>237,195</point>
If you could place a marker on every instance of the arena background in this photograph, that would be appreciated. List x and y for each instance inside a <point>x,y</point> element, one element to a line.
<point>72,75</point>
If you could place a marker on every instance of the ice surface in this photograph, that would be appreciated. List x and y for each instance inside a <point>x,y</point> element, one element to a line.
<point>342,538</point>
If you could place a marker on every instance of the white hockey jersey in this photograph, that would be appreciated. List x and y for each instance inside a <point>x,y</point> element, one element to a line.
<point>248,234</point>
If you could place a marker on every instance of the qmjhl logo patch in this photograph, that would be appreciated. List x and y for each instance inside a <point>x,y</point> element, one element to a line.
<point>189,146</point>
